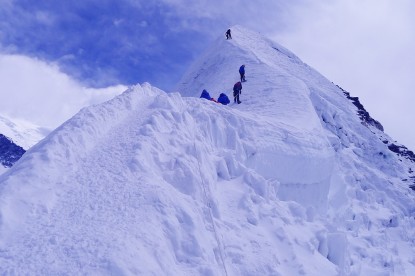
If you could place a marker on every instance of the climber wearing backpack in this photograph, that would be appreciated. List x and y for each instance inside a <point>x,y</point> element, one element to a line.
<point>223,99</point>
<point>228,34</point>
<point>242,72</point>
<point>237,90</point>
<point>206,95</point>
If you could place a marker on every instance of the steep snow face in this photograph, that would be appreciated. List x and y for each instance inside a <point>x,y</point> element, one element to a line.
<point>291,138</point>
<point>290,182</point>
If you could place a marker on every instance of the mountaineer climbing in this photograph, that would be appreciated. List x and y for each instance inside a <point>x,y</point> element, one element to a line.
<point>228,34</point>
<point>242,72</point>
<point>237,90</point>
<point>206,95</point>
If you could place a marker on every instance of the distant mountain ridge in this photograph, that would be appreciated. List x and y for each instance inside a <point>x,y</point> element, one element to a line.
<point>23,133</point>
<point>15,138</point>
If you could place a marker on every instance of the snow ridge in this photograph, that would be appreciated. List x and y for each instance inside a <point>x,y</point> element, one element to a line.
<point>151,183</point>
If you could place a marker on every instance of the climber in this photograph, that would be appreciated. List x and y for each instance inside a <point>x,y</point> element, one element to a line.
<point>242,72</point>
<point>205,95</point>
<point>223,99</point>
<point>228,34</point>
<point>237,90</point>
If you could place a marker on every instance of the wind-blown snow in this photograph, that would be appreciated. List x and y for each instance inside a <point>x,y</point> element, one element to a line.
<point>289,182</point>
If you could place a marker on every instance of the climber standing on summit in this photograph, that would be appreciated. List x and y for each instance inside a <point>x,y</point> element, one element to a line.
<point>237,90</point>
<point>228,34</point>
<point>242,72</point>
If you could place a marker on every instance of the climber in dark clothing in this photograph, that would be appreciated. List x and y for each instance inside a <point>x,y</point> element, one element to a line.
<point>242,72</point>
<point>223,99</point>
<point>228,34</point>
<point>206,95</point>
<point>237,90</point>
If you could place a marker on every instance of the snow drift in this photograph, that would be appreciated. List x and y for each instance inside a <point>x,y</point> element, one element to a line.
<point>290,182</point>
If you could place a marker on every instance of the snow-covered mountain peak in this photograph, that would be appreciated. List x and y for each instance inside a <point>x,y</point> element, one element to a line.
<point>290,182</point>
<point>15,137</point>
<point>23,133</point>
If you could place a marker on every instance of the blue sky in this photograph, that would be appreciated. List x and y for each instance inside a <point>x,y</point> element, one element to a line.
<point>102,43</point>
<point>108,42</point>
<point>365,46</point>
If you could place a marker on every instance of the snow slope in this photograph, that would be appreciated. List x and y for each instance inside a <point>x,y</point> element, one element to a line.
<point>290,182</point>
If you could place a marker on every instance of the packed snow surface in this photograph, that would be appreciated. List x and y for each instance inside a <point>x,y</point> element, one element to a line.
<point>290,182</point>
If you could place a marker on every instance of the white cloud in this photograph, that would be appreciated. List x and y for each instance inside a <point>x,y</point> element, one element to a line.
<point>366,47</point>
<point>38,92</point>
<point>208,15</point>
<point>45,18</point>
<point>143,24</point>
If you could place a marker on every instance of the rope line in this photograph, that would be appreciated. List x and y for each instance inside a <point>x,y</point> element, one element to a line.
<point>204,187</point>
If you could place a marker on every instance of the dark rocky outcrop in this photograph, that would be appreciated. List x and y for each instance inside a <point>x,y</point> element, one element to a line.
<point>402,151</point>
<point>9,152</point>
<point>361,111</point>
<point>367,120</point>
